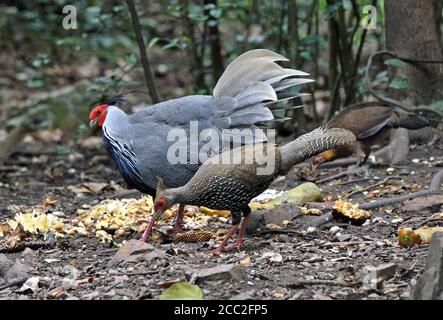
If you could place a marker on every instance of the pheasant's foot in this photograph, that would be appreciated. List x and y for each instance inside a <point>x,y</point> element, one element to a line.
<point>225,240</point>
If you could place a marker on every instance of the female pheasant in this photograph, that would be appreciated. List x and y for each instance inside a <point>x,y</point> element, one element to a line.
<point>231,186</point>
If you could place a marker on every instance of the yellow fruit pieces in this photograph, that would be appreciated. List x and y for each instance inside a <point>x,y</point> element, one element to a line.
<point>350,211</point>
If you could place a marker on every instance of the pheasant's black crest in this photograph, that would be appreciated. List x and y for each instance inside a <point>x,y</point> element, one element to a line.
<point>114,100</point>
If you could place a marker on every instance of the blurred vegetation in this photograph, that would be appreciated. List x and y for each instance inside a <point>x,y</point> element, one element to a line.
<point>189,43</point>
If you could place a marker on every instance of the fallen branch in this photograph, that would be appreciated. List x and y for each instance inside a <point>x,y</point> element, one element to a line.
<point>320,282</point>
<point>352,181</point>
<point>340,174</point>
<point>434,188</point>
<point>371,186</point>
<point>340,163</point>
<point>270,231</point>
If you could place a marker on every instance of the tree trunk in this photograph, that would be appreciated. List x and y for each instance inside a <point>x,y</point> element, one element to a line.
<point>214,40</point>
<point>196,60</point>
<point>412,32</point>
<point>294,54</point>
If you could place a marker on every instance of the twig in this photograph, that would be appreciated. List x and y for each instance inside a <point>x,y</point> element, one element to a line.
<point>340,162</point>
<point>323,219</point>
<point>320,282</point>
<point>143,55</point>
<point>141,273</point>
<point>340,174</point>
<point>261,233</point>
<point>434,187</point>
<point>352,181</point>
<point>371,186</point>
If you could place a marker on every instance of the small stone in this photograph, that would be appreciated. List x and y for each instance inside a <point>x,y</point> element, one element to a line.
<point>31,285</point>
<point>18,270</point>
<point>373,277</point>
<point>135,251</point>
<point>222,272</point>
<point>343,237</point>
<point>334,229</point>
<point>284,238</point>
<point>385,271</point>
<point>273,257</point>
<point>311,230</point>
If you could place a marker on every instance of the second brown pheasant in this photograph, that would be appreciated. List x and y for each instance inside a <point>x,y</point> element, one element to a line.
<point>231,186</point>
<point>371,124</point>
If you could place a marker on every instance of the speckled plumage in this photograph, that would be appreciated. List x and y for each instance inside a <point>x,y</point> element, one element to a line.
<point>232,186</point>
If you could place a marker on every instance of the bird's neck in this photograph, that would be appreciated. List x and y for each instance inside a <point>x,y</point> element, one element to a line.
<point>115,118</point>
<point>182,194</point>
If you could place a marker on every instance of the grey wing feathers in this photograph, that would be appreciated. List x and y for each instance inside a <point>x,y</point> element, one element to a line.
<point>249,84</point>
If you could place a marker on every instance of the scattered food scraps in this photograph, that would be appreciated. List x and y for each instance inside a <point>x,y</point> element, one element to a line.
<point>408,237</point>
<point>310,211</point>
<point>350,211</point>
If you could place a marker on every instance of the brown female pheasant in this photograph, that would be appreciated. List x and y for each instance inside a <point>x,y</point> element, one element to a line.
<point>231,186</point>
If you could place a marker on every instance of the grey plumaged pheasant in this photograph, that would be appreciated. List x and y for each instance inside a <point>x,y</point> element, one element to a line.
<point>231,186</point>
<point>244,96</point>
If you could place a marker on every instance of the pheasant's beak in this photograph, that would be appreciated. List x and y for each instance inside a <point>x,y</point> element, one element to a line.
<point>93,123</point>
<point>158,214</point>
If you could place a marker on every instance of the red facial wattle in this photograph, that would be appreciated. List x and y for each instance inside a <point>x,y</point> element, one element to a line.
<point>98,114</point>
<point>160,204</point>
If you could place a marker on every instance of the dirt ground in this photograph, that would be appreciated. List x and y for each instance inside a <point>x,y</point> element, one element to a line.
<point>274,265</point>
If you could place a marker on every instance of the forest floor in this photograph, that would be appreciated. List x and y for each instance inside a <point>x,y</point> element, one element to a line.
<point>292,262</point>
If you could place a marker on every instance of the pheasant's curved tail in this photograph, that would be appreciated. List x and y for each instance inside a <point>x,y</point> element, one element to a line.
<point>250,84</point>
<point>313,143</point>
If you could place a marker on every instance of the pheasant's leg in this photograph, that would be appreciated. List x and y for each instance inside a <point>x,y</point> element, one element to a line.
<point>239,241</point>
<point>225,240</point>
<point>361,162</point>
<point>236,218</point>
<point>149,227</point>
<point>179,219</point>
